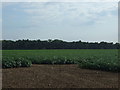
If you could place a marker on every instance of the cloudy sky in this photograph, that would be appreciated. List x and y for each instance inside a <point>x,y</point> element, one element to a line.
<point>69,21</point>
<point>0,13</point>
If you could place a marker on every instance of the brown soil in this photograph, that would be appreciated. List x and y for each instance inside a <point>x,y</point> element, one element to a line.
<point>58,76</point>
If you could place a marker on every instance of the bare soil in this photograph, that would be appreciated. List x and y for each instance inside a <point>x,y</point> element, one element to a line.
<point>57,76</point>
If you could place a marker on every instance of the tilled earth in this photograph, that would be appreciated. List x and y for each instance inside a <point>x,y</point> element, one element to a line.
<point>57,76</point>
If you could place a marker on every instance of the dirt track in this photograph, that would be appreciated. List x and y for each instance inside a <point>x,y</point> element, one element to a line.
<point>58,76</point>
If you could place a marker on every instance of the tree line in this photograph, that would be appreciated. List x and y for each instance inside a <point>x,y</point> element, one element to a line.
<point>56,44</point>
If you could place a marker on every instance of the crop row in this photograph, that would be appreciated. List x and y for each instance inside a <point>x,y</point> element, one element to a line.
<point>12,62</point>
<point>103,64</point>
<point>99,63</point>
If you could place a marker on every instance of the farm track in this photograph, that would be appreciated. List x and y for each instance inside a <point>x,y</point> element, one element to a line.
<point>57,76</point>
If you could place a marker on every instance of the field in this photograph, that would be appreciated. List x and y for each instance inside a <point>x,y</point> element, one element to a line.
<point>100,59</point>
<point>60,68</point>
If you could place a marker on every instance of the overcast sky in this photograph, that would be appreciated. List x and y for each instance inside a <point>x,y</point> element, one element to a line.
<point>69,21</point>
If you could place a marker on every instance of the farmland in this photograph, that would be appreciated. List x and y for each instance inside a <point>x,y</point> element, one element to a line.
<point>57,76</point>
<point>60,68</point>
<point>100,59</point>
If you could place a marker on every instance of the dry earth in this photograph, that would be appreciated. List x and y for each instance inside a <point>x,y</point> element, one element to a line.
<point>57,76</point>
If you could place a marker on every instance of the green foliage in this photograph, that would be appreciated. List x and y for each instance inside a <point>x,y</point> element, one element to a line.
<point>12,62</point>
<point>100,59</point>
<point>55,44</point>
<point>51,60</point>
<point>103,63</point>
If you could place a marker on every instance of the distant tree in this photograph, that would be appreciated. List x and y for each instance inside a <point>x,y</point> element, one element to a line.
<point>56,44</point>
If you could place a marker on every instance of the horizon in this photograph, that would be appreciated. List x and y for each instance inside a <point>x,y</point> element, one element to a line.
<point>61,40</point>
